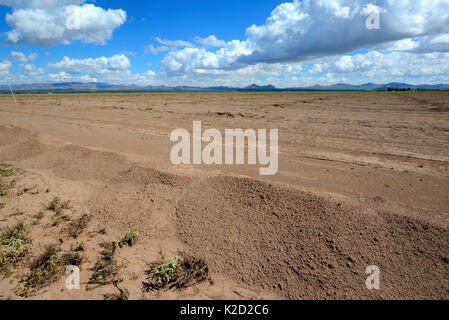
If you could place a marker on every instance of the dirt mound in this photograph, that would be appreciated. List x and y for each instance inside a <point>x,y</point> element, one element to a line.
<point>306,247</point>
<point>141,197</point>
<point>18,144</point>
<point>79,163</point>
<point>26,149</point>
<point>13,135</point>
<point>141,175</point>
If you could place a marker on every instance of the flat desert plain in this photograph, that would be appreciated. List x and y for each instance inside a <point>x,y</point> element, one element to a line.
<point>363,180</point>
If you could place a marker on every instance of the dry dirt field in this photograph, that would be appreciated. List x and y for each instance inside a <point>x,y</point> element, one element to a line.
<point>363,180</point>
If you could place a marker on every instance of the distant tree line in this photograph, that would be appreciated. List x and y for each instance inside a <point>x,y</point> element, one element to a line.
<point>398,89</point>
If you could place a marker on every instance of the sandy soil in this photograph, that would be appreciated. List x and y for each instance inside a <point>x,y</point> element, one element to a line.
<point>363,180</point>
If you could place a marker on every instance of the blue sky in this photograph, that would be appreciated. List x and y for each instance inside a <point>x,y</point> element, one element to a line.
<point>146,20</point>
<point>166,19</point>
<point>230,42</point>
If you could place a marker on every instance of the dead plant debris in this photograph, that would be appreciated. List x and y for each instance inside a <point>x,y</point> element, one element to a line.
<point>32,190</point>
<point>122,295</point>
<point>58,206</point>
<point>78,247</point>
<point>75,228</point>
<point>38,217</point>
<point>177,273</point>
<point>46,269</point>
<point>106,269</point>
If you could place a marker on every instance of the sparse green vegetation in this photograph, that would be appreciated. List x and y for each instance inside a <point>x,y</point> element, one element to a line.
<point>176,273</point>
<point>15,242</point>
<point>7,171</point>
<point>164,273</point>
<point>32,190</point>
<point>130,238</point>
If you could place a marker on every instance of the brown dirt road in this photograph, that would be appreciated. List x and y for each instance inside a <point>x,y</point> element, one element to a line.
<point>363,180</point>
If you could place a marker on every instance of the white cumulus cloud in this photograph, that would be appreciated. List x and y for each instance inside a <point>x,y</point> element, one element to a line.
<point>305,30</point>
<point>175,43</point>
<point>5,66</point>
<point>156,50</point>
<point>52,22</point>
<point>102,65</point>
<point>114,70</point>
<point>22,57</point>
<point>210,41</point>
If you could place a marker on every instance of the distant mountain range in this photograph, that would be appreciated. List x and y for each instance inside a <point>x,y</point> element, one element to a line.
<point>104,87</point>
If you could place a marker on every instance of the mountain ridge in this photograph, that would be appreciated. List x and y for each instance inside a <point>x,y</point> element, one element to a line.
<point>99,87</point>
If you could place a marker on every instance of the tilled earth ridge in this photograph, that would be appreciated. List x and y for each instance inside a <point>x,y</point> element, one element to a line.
<point>307,247</point>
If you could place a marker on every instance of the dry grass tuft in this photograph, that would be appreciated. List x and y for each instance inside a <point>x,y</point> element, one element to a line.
<point>38,217</point>
<point>46,269</point>
<point>75,228</point>
<point>106,268</point>
<point>122,295</point>
<point>78,247</point>
<point>72,258</point>
<point>58,206</point>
